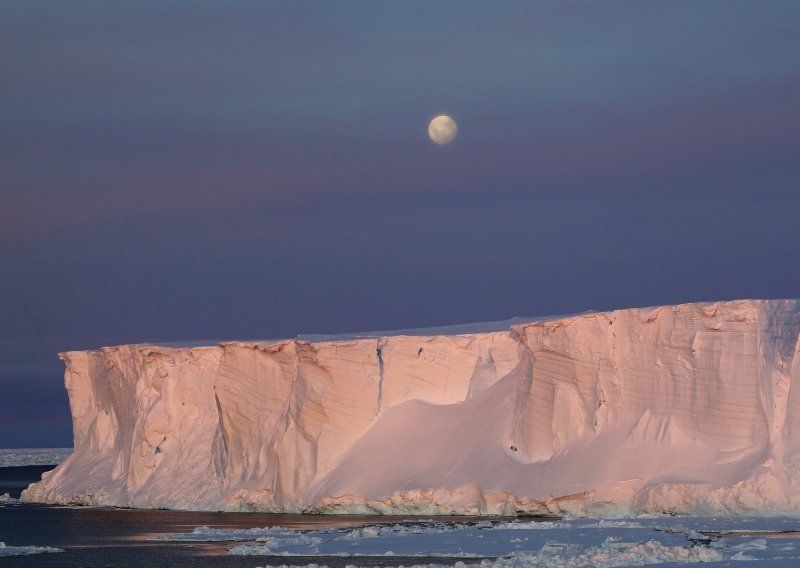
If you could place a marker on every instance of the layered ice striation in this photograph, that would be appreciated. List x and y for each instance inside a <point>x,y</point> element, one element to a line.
<point>686,409</point>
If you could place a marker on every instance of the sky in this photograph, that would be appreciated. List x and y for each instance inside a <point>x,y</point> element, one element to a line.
<point>174,171</point>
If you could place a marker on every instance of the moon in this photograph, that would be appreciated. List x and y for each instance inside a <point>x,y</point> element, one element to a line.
<point>442,129</point>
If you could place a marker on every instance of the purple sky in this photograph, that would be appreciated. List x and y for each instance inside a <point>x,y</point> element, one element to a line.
<point>191,170</point>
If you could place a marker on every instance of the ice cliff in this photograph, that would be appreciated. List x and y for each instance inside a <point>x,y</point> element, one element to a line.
<point>688,408</point>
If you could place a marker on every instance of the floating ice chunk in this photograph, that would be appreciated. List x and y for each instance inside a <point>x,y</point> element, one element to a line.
<point>26,550</point>
<point>312,565</point>
<point>277,547</point>
<point>755,544</point>
<point>535,525</point>
<point>398,530</point>
<point>207,534</point>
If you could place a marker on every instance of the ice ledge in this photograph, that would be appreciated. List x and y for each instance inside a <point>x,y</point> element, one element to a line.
<point>648,313</point>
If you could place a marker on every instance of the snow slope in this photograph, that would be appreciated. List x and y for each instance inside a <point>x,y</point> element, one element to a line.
<point>686,409</point>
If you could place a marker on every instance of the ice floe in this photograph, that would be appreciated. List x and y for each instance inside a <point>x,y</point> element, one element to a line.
<point>26,550</point>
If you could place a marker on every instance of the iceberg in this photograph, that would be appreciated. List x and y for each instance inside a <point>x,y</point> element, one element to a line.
<point>675,409</point>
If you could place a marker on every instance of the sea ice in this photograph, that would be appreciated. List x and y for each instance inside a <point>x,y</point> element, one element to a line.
<point>207,534</point>
<point>26,550</point>
<point>16,457</point>
<point>566,543</point>
<point>611,553</point>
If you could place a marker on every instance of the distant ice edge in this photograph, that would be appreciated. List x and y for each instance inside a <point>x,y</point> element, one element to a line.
<point>682,409</point>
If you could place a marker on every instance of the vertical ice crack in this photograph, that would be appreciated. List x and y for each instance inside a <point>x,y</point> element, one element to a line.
<point>220,444</point>
<point>524,370</point>
<point>379,353</point>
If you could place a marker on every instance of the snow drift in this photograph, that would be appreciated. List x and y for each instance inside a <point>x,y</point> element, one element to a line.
<point>687,409</point>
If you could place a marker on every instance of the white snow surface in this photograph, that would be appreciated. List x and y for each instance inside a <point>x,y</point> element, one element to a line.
<point>25,550</point>
<point>15,457</point>
<point>682,409</point>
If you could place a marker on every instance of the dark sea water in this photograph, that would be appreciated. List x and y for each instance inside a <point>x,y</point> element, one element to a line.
<point>95,537</point>
<point>14,479</point>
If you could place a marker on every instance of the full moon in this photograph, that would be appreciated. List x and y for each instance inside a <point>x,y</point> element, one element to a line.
<point>442,129</point>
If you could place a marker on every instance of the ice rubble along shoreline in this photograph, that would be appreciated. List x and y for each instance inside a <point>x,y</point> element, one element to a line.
<point>686,409</point>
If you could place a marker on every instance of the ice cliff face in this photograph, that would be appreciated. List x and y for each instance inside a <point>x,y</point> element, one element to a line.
<point>687,409</point>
